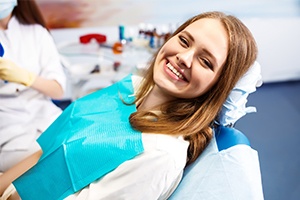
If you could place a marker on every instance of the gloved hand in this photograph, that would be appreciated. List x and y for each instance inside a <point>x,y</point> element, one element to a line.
<point>9,71</point>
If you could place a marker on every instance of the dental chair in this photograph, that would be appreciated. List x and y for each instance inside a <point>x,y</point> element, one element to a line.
<point>228,169</point>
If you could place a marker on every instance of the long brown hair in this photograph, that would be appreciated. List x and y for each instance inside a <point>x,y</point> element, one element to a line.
<point>193,118</point>
<point>28,12</point>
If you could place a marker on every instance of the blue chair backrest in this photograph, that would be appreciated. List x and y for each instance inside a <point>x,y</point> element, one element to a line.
<point>227,137</point>
<point>196,177</point>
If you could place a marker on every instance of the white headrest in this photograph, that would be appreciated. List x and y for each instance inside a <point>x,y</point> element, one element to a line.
<point>235,105</point>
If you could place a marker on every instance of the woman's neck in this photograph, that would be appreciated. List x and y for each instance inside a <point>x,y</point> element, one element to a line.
<point>153,99</point>
<point>4,22</point>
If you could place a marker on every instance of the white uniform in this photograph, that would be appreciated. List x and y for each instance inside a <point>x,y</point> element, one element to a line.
<point>24,112</point>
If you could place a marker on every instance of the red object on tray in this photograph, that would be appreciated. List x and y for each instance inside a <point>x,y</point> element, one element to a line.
<point>84,39</point>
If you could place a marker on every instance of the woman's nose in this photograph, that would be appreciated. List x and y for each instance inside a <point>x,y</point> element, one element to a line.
<point>185,58</point>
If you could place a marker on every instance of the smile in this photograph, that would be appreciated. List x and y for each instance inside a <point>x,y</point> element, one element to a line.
<point>175,71</point>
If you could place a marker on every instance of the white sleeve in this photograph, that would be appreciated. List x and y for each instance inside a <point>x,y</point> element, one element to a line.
<point>151,175</point>
<point>50,59</point>
<point>154,174</point>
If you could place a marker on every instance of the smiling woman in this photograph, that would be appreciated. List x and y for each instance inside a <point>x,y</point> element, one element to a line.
<point>162,121</point>
<point>196,55</point>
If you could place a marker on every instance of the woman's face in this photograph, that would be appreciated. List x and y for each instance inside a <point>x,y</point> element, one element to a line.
<point>190,62</point>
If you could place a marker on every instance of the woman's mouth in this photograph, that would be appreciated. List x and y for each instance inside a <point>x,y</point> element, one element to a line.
<point>176,72</point>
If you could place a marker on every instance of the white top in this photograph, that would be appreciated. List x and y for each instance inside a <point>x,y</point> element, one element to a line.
<point>152,175</point>
<point>24,111</point>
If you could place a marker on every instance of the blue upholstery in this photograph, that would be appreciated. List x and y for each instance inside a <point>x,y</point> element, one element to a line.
<point>222,171</point>
<point>227,137</point>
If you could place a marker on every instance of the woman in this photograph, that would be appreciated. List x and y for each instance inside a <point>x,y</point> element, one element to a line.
<point>110,146</point>
<point>31,75</point>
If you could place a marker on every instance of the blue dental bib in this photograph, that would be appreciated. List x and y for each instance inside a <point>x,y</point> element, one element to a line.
<point>89,139</point>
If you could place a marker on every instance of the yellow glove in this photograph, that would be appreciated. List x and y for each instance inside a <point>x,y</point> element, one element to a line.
<point>9,71</point>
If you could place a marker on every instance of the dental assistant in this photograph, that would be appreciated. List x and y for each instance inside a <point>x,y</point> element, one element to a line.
<point>31,75</point>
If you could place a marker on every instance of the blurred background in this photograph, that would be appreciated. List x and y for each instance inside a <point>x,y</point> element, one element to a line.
<point>273,130</point>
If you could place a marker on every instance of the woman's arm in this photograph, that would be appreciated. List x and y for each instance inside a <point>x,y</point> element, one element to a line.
<point>13,173</point>
<point>50,88</point>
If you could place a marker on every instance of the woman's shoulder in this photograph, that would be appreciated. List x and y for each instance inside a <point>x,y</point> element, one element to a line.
<point>35,30</point>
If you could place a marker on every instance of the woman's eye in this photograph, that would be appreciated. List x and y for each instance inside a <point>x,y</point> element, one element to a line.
<point>207,63</point>
<point>183,41</point>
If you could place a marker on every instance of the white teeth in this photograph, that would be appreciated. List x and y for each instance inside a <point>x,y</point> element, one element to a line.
<point>177,73</point>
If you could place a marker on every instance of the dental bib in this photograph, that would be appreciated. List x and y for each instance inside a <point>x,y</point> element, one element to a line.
<point>89,139</point>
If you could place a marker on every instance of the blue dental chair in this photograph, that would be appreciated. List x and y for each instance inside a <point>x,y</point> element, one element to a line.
<point>228,169</point>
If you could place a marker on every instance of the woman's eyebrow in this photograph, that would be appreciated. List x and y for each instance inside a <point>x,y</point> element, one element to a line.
<point>189,35</point>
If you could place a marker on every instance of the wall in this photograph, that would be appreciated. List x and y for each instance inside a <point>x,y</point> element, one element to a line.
<point>274,23</point>
<point>278,41</point>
